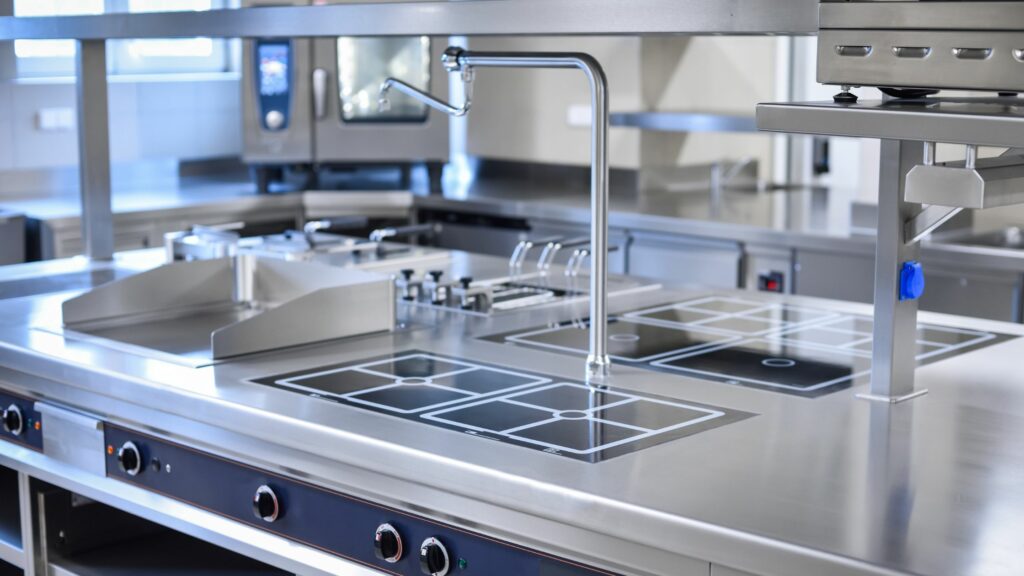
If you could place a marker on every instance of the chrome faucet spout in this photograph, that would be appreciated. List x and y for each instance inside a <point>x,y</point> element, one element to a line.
<point>456,59</point>
<point>420,96</point>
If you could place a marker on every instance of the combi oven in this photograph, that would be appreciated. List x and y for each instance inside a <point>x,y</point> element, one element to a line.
<point>311,104</point>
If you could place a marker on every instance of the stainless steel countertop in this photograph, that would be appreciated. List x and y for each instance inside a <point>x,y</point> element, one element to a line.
<point>833,485</point>
<point>817,219</point>
<point>800,218</point>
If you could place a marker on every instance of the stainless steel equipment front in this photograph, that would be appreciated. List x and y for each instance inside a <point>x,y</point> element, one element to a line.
<point>312,102</point>
<point>967,45</point>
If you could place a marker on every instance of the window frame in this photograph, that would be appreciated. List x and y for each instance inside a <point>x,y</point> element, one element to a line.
<point>120,62</point>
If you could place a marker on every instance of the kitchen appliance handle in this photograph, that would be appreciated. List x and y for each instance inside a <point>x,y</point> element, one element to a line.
<point>320,93</point>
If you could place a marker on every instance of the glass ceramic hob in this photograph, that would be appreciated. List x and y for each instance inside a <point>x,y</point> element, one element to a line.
<point>531,410</point>
<point>792,349</point>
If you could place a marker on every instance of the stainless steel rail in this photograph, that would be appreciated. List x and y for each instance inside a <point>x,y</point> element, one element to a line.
<point>459,60</point>
<point>438,18</point>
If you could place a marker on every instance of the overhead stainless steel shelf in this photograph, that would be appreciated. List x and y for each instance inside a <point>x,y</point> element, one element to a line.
<point>1007,16</point>
<point>684,122</point>
<point>978,121</point>
<point>472,17</point>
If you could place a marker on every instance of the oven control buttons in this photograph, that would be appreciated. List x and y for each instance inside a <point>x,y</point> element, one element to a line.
<point>387,544</point>
<point>13,420</point>
<point>433,557</point>
<point>265,504</point>
<point>130,458</point>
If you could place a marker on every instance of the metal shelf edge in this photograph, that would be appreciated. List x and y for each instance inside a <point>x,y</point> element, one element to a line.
<point>968,122</point>
<point>12,554</point>
<point>437,18</point>
<point>684,122</point>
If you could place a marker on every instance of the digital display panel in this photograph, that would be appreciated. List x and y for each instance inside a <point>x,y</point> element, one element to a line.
<point>273,68</point>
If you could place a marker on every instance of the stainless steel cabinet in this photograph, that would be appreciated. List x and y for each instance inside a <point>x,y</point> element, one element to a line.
<point>832,274</point>
<point>992,295</point>
<point>12,238</point>
<point>686,259</point>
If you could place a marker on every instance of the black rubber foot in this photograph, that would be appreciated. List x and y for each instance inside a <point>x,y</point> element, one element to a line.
<point>845,98</point>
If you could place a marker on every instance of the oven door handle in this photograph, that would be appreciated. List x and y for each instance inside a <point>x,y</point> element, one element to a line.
<point>320,93</point>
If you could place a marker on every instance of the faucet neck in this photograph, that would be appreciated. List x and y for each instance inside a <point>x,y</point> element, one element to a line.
<point>456,59</point>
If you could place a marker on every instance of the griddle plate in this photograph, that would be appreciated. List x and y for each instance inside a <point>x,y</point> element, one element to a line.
<point>556,416</point>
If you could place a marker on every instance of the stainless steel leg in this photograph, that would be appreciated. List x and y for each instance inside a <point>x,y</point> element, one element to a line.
<point>94,149</point>
<point>28,534</point>
<point>895,333</point>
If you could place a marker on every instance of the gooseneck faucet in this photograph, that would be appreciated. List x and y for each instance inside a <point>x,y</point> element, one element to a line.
<point>458,60</point>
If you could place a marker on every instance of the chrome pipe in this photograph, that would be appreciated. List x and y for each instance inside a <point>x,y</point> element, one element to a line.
<point>458,60</point>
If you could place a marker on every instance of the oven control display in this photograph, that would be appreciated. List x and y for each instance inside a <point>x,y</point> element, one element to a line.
<point>273,83</point>
<point>273,67</point>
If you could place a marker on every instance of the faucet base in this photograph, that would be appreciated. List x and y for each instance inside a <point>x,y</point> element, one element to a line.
<point>599,369</point>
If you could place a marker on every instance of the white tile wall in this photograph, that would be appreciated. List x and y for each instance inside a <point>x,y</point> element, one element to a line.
<point>34,148</point>
<point>150,119</point>
<point>522,115</point>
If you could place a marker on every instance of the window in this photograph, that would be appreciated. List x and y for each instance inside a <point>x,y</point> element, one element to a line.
<point>178,55</point>
<point>56,57</point>
<point>41,57</point>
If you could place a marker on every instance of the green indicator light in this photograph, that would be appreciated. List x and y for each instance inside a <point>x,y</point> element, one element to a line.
<point>463,564</point>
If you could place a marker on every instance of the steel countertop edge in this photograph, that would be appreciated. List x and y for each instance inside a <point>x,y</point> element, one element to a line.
<point>626,498</point>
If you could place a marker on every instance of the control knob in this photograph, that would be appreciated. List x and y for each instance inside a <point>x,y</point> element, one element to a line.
<point>13,421</point>
<point>274,120</point>
<point>130,458</point>
<point>387,544</point>
<point>265,504</point>
<point>434,557</point>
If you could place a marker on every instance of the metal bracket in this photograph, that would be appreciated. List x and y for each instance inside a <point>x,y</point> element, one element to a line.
<point>929,219</point>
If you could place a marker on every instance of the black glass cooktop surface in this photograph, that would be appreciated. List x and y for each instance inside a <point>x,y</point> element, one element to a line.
<point>522,408</point>
<point>781,347</point>
<point>627,340</point>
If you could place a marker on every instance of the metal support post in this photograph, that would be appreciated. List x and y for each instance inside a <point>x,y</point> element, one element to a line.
<point>894,357</point>
<point>94,149</point>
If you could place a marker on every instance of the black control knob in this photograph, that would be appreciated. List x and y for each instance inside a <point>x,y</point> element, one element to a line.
<point>434,557</point>
<point>13,421</point>
<point>466,281</point>
<point>265,504</point>
<point>407,273</point>
<point>387,544</point>
<point>436,275</point>
<point>130,458</point>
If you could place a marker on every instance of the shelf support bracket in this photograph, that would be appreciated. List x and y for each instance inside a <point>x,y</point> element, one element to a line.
<point>928,220</point>
<point>94,149</point>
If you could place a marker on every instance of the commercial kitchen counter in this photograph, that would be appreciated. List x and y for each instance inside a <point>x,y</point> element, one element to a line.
<point>788,484</point>
<point>790,217</point>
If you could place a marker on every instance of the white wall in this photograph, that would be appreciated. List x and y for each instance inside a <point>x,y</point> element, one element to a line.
<point>151,118</point>
<point>523,114</point>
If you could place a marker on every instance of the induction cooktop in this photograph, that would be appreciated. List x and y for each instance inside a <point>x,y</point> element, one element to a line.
<point>552,415</point>
<point>780,347</point>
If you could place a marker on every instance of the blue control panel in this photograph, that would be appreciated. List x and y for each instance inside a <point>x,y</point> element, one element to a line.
<point>274,82</point>
<point>19,421</point>
<point>390,540</point>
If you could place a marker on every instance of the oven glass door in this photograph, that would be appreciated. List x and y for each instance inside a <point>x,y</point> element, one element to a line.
<point>348,125</point>
<point>364,63</point>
